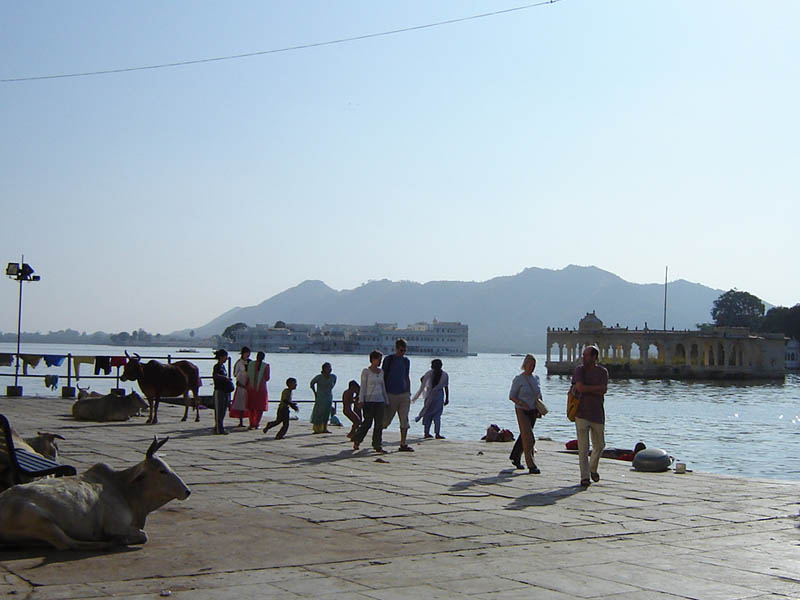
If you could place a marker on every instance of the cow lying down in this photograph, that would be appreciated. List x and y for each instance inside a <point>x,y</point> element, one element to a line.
<point>43,444</point>
<point>108,408</point>
<point>100,508</point>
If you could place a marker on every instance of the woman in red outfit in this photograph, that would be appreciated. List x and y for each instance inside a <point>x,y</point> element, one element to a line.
<point>257,401</point>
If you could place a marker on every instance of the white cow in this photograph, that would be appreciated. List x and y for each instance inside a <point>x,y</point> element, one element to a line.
<point>85,393</point>
<point>98,509</point>
<point>44,443</point>
<point>108,408</point>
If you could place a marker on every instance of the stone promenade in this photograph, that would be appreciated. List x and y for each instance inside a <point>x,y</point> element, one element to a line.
<point>306,517</point>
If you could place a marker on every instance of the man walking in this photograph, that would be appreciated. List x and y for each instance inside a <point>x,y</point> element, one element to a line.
<point>591,382</point>
<point>396,370</point>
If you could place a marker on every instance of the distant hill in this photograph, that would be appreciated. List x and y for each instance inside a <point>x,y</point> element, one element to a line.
<point>504,314</point>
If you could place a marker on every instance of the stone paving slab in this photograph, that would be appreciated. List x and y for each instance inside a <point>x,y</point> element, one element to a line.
<point>307,517</point>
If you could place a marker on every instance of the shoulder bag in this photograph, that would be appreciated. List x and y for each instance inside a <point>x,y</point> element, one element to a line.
<point>226,385</point>
<point>573,402</point>
<point>541,407</point>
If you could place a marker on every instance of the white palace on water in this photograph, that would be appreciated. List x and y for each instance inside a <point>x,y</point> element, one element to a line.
<point>439,338</point>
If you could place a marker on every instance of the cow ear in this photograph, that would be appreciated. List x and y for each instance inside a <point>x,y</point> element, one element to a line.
<point>137,474</point>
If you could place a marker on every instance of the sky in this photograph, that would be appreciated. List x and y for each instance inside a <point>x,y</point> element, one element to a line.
<point>628,135</point>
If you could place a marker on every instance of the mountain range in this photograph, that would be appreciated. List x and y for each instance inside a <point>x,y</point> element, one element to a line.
<point>504,314</point>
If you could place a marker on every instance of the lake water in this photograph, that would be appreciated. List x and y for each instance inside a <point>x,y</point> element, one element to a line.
<point>747,429</point>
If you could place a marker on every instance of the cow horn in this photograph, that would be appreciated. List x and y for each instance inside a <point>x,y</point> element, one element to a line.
<point>155,445</point>
<point>137,356</point>
<point>127,355</point>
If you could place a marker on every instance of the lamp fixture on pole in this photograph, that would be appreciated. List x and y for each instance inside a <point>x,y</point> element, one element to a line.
<point>21,271</point>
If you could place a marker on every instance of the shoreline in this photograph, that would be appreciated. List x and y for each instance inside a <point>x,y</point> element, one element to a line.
<point>206,423</point>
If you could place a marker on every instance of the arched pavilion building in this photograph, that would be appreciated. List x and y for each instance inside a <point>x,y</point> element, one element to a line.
<point>719,353</point>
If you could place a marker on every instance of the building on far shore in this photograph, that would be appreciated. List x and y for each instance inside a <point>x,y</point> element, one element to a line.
<point>719,353</point>
<point>793,354</point>
<point>438,338</point>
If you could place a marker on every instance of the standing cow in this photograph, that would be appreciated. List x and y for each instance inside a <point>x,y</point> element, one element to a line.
<point>158,380</point>
<point>101,508</point>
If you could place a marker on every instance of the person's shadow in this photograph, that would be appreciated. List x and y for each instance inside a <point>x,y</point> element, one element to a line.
<point>501,477</point>
<point>327,458</point>
<point>543,498</point>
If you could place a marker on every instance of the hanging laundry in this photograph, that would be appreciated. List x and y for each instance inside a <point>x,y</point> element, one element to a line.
<point>102,363</point>
<point>6,360</point>
<point>119,361</point>
<point>77,361</point>
<point>53,360</point>
<point>30,359</point>
<point>51,381</point>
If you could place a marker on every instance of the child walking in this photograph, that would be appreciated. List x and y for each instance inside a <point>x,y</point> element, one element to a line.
<point>350,406</point>
<point>283,409</point>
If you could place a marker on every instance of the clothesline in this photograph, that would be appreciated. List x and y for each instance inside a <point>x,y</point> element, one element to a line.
<point>101,363</point>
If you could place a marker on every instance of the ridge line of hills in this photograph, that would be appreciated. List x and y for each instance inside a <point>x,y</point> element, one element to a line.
<point>505,314</point>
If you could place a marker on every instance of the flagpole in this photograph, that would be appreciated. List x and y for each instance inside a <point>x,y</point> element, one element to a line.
<point>666,270</point>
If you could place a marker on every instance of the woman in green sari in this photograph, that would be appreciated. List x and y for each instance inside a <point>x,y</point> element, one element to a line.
<point>322,386</point>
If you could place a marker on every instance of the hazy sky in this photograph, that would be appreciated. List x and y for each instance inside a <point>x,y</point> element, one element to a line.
<point>630,135</point>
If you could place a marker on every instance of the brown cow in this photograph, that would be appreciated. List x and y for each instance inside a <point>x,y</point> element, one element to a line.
<point>158,380</point>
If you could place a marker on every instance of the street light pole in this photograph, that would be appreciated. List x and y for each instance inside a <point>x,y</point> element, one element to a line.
<point>19,332</point>
<point>21,271</point>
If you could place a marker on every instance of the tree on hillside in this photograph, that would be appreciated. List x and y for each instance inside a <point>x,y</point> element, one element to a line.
<point>230,330</point>
<point>737,309</point>
<point>123,337</point>
<point>279,325</point>
<point>782,320</point>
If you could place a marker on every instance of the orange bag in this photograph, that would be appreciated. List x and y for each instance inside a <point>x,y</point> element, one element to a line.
<point>573,401</point>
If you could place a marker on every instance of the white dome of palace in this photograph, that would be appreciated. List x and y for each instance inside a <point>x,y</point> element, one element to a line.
<point>590,323</point>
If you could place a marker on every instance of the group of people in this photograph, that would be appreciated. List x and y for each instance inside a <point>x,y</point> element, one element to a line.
<point>590,383</point>
<point>249,386</point>
<point>385,391</point>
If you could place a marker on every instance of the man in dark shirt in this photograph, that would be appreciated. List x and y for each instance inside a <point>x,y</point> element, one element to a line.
<point>591,382</point>
<point>222,391</point>
<point>396,369</point>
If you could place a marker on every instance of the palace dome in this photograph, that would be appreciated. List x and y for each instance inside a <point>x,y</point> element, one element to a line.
<point>590,323</point>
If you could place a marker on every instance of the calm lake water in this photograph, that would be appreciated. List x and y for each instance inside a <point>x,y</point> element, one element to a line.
<point>747,429</point>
